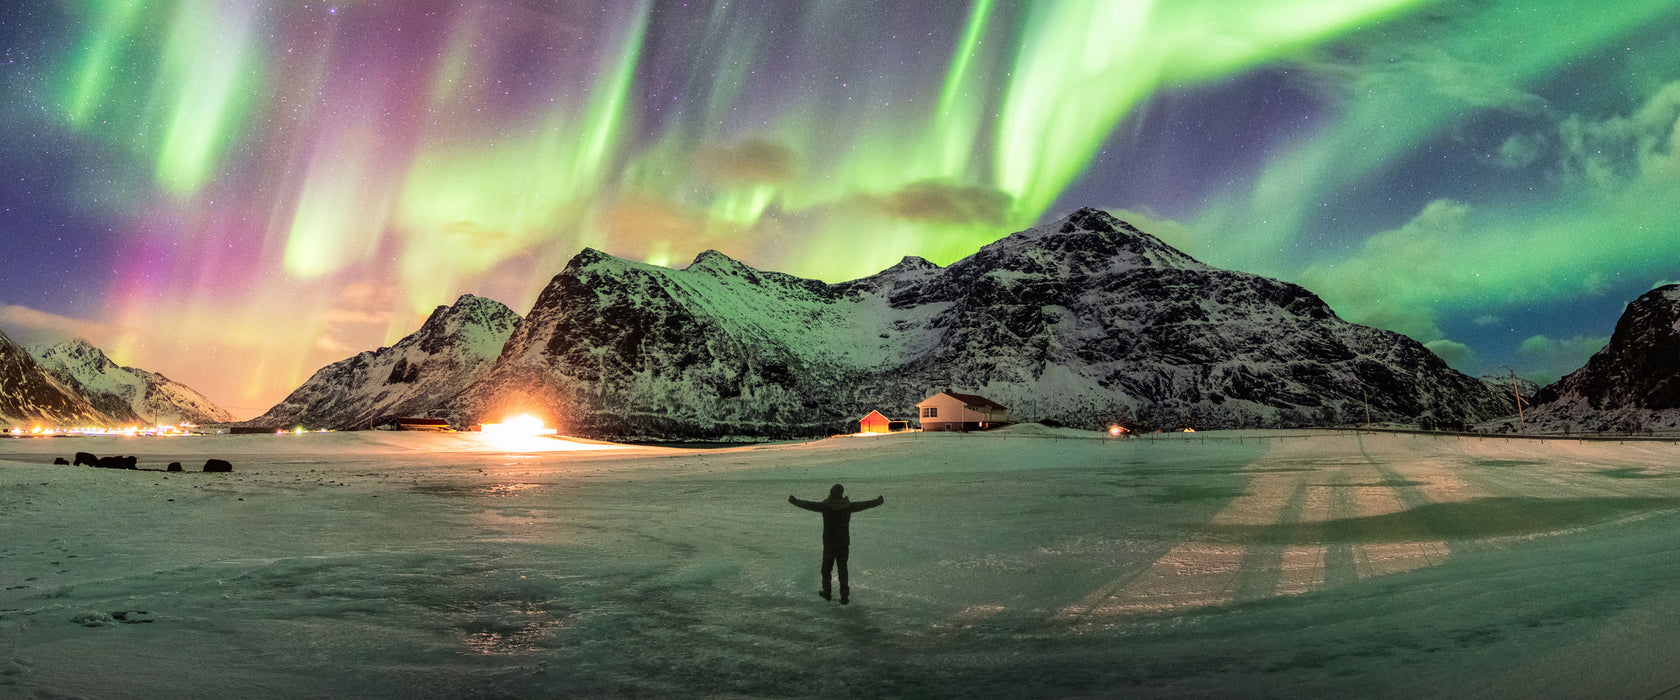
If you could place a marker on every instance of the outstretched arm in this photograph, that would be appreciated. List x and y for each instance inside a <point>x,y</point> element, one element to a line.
<point>866,505</point>
<point>807,505</point>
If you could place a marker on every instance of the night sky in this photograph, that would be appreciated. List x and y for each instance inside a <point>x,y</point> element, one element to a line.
<point>237,192</point>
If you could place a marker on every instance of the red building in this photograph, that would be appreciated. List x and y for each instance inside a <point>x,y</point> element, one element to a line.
<point>874,423</point>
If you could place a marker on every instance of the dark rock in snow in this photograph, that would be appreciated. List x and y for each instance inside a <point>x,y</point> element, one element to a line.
<point>174,467</point>
<point>129,462</point>
<point>61,460</point>
<point>217,465</point>
<point>87,458</point>
<point>1084,321</point>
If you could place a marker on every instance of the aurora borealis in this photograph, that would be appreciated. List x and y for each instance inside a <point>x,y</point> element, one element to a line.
<point>235,193</point>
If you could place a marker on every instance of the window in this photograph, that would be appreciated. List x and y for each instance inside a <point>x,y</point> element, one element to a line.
<point>930,411</point>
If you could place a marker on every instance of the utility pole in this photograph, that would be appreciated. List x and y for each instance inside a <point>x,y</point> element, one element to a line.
<point>1367,394</point>
<point>1516,394</point>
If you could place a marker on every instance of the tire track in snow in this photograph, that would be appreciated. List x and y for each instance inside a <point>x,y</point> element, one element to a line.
<point>1282,511</point>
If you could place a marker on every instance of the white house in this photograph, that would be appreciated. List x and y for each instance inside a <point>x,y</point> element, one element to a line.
<point>948,410</point>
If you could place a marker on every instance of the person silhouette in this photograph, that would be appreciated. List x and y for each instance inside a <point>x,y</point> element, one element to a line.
<point>837,513</point>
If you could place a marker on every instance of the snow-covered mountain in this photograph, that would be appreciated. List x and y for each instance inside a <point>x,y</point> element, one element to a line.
<point>1633,384</point>
<point>1084,322</point>
<point>126,395</point>
<point>455,346</point>
<point>29,395</point>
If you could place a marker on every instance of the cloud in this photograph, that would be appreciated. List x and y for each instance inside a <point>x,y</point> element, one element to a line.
<point>654,230</point>
<point>328,343</point>
<point>1613,152</point>
<point>755,161</point>
<point>1543,357</point>
<point>1457,355</point>
<point>947,203</point>
<point>35,326</point>
<point>1381,285</point>
<point>1520,151</point>
<point>358,317</point>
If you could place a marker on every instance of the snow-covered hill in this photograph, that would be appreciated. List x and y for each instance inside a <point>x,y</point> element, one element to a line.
<point>125,395</point>
<point>1084,321</point>
<point>455,346</point>
<point>30,396</point>
<point>1632,385</point>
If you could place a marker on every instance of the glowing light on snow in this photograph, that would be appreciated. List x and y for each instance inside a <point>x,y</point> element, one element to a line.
<point>523,424</point>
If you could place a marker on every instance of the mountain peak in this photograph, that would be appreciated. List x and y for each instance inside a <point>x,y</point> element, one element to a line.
<point>1095,220</point>
<point>912,262</point>
<point>713,260</point>
<point>76,351</point>
<point>587,257</point>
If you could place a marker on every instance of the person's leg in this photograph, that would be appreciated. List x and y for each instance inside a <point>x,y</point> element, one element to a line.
<point>845,589</point>
<point>828,575</point>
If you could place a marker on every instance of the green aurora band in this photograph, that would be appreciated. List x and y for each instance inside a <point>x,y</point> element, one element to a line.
<point>370,160</point>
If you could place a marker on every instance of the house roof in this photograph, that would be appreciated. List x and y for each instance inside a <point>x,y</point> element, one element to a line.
<point>875,414</point>
<point>422,421</point>
<point>970,399</point>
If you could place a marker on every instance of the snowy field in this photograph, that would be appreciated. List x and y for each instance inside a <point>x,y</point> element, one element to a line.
<point>1020,563</point>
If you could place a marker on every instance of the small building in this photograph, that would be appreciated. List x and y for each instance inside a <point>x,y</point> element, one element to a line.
<point>877,423</point>
<point>951,411</point>
<point>431,424</point>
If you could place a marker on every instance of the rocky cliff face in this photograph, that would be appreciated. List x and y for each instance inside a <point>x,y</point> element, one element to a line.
<point>1633,384</point>
<point>125,395</point>
<point>454,347</point>
<point>1084,321</point>
<point>30,396</point>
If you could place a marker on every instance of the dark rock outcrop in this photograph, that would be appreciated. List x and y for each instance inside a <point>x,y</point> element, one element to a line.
<point>217,465</point>
<point>129,462</point>
<point>174,467</point>
<point>61,461</point>
<point>30,395</point>
<point>1631,385</point>
<point>87,458</point>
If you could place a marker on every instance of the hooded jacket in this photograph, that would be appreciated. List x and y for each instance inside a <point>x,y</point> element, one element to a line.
<point>837,518</point>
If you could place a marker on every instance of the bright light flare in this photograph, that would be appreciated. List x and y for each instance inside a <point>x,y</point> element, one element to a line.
<point>523,424</point>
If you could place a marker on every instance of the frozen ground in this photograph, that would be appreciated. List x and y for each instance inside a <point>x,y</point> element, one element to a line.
<point>1007,564</point>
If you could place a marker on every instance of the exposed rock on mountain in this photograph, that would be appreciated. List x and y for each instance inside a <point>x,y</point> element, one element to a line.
<point>30,396</point>
<point>455,346</point>
<point>125,395</point>
<point>1084,321</point>
<point>1632,385</point>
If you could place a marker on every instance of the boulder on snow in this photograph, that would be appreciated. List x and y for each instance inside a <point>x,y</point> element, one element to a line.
<point>61,460</point>
<point>217,465</point>
<point>174,467</point>
<point>129,462</point>
<point>87,458</point>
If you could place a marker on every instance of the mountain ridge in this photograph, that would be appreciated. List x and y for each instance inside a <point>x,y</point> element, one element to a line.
<point>125,395</point>
<point>409,378</point>
<point>1081,321</point>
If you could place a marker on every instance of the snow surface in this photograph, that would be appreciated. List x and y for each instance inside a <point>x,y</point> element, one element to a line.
<point>1020,563</point>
